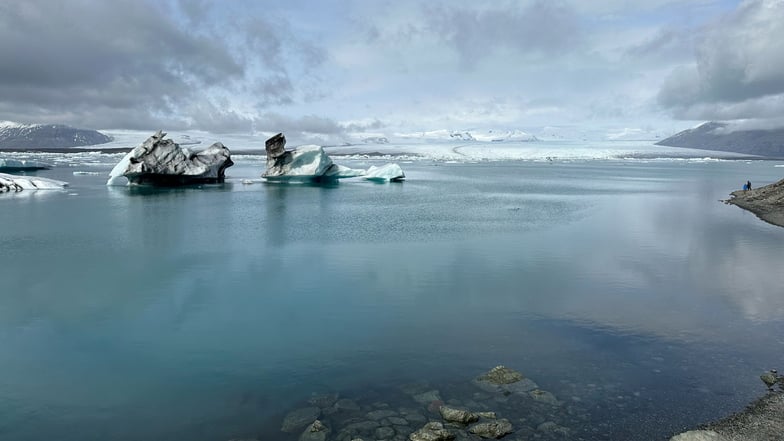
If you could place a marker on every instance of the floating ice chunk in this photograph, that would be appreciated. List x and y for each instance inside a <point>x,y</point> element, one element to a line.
<point>305,163</point>
<point>21,165</point>
<point>385,173</point>
<point>18,183</point>
<point>160,161</point>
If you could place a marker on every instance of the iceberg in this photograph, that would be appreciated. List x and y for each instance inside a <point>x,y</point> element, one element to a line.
<point>163,162</point>
<point>15,165</point>
<point>13,183</point>
<point>303,164</point>
<point>385,173</point>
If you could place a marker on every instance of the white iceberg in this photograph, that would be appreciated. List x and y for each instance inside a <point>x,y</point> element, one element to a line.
<point>305,163</point>
<point>385,173</point>
<point>13,183</point>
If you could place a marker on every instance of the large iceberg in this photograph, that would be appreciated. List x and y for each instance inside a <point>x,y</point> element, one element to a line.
<point>160,161</point>
<point>305,163</point>
<point>13,183</point>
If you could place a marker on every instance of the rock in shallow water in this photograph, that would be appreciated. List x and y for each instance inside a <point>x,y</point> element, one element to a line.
<point>300,418</point>
<point>457,415</point>
<point>316,431</point>
<point>502,379</point>
<point>493,429</point>
<point>432,431</point>
<point>160,161</point>
<point>501,375</point>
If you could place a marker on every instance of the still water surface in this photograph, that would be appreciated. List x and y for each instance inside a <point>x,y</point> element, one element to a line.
<point>623,287</point>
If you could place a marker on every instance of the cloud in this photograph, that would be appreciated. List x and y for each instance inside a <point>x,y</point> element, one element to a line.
<point>541,28</point>
<point>737,70</point>
<point>143,64</point>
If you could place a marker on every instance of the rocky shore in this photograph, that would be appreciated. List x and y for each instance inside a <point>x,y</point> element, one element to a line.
<point>763,420</point>
<point>766,202</point>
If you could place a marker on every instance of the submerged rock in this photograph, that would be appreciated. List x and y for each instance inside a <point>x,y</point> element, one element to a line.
<point>501,375</point>
<point>317,431</point>
<point>427,397</point>
<point>323,400</point>
<point>160,161</point>
<point>385,173</point>
<point>493,429</point>
<point>432,431</point>
<point>458,415</point>
<point>13,183</point>
<point>300,418</point>
<point>505,380</point>
<point>544,397</point>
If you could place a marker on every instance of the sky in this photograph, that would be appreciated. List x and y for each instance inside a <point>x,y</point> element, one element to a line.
<point>335,69</point>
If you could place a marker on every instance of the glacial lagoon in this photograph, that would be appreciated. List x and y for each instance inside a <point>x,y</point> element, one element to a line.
<point>622,287</point>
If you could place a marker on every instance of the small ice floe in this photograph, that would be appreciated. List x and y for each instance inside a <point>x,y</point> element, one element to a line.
<point>248,182</point>
<point>87,173</point>
<point>13,183</point>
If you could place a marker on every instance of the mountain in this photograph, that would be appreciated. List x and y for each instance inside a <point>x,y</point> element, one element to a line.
<point>720,137</point>
<point>15,135</point>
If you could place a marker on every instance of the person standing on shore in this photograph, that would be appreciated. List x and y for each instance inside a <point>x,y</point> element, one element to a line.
<point>748,185</point>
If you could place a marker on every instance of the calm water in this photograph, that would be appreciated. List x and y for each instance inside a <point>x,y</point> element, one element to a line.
<point>623,287</point>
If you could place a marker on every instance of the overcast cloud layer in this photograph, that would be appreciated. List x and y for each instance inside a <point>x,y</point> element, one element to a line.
<point>334,68</point>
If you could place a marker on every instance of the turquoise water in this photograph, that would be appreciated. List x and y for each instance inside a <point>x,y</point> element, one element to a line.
<point>623,287</point>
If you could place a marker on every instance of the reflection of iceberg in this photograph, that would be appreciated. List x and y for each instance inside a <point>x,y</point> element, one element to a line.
<point>14,165</point>
<point>385,173</point>
<point>13,183</point>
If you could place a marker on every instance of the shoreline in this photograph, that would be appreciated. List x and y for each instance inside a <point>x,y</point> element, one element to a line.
<point>763,419</point>
<point>767,202</point>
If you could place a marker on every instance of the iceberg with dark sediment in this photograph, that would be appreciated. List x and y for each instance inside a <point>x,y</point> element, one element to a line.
<point>311,163</point>
<point>14,183</point>
<point>163,162</point>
